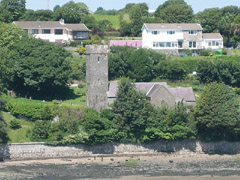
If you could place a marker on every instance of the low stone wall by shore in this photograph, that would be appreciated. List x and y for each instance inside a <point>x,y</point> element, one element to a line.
<point>23,151</point>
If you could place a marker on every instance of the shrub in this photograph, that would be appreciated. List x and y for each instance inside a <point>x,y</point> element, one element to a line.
<point>40,130</point>
<point>32,111</point>
<point>15,124</point>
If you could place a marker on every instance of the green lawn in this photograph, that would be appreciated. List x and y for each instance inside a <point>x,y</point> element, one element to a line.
<point>78,98</point>
<point>18,135</point>
<point>114,19</point>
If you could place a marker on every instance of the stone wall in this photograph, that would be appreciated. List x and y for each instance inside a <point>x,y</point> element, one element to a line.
<point>40,151</point>
<point>97,76</point>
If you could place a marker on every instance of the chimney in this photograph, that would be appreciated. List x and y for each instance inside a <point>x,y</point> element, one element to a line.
<point>61,21</point>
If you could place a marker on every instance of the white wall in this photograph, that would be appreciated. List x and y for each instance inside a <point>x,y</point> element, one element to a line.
<point>206,45</point>
<point>53,37</point>
<point>148,38</point>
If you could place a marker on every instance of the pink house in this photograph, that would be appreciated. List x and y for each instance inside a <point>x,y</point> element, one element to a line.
<point>133,43</point>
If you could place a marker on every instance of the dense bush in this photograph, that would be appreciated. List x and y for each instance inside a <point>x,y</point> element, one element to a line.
<point>40,68</point>
<point>15,124</point>
<point>100,130</point>
<point>32,111</point>
<point>40,130</point>
<point>224,71</point>
<point>217,113</point>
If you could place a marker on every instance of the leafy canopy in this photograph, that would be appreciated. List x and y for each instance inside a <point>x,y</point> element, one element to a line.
<point>217,113</point>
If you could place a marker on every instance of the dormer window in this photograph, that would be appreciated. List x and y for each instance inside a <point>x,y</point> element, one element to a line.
<point>170,32</point>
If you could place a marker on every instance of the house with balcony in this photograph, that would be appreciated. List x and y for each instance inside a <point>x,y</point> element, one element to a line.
<point>176,38</point>
<point>55,31</point>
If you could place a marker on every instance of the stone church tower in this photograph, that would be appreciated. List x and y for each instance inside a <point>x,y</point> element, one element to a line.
<point>97,76</point>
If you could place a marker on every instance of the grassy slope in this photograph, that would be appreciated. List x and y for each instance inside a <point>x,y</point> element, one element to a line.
<point>114,19</point>
<point>18,135</point>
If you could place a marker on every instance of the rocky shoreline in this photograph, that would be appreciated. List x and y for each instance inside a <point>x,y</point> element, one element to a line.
<point>146,167</point>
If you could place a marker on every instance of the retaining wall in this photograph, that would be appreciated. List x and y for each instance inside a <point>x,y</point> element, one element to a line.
<point>23,151</point>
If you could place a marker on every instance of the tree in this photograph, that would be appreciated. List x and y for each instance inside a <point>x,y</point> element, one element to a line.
<point>174,11</point>
<point>100,130</point>
<point>3,126</point>
<point>89,21</point>
<point>132,110</point>
<point>40,15</point>
<point>10,35</point>
<point>217,113</point>
<point>72,12</point>
<point>105,25</point>
<point>40,68</point>
<point>12,10</point>
<point>209,19</point>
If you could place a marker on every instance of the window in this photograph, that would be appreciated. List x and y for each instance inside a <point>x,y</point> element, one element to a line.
<point>163,102</point>
<point>58,31</point>
<point>213,43</point>
<point>162,44</point>
<point>34,31</point>
<point>168,44</point>
<point>46,31</point>
<point>209,43</point>
<point>192,32</point>
<point>192,44</point>
<point>80,35</point>
<point>217,43</point>
<point>98,59</point>
<point>170,32</point>
<point>155,32</point>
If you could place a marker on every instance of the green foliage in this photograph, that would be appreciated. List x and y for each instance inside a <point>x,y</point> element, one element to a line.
<point>72,12</point>
<point>40,68</point>
<point>100,130</point>
<point>170,70</point>
<point>174,11</point>
<point>15,124</point>
<point>217,113</point>
<point>11,10</point>
<point>219,71</point>
<point>39,15</point>
<point>89,21</point>
<point>114,19</point>
<point>131,110</point>
<point>3,127</point>
<point>209,19</point>
<point>206,52</point>
<point>40,130</point>
<point>32,111</point>
<point>101,11</point>
<point>134,63</point>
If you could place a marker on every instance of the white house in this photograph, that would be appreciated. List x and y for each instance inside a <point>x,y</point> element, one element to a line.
<point>178,36</point>
<point>55,31</point>
<point>212,40</point>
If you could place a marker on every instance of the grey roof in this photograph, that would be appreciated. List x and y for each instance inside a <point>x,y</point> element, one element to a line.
<point>50,25</point>
<point>140,86</point>
<point>212,36</point>
<point>173,26</point>
<point>185,93</point>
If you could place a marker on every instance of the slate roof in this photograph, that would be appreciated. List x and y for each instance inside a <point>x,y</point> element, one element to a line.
<point>173,26</point>
<point>50,25</point>
<point>140,86</point>
<point>185,93</point>
<point>212,36</point>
